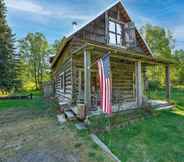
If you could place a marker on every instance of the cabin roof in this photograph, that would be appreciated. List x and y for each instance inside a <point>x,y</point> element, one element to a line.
<point>95,17</point>
<point>101,13</point>
<point>69,37</point>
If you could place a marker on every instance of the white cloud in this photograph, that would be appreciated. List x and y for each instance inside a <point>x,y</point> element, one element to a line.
<point>38,9</point>
<point>27,6</point>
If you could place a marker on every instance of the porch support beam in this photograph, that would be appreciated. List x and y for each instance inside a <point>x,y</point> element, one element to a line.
<point>139,92</point>
<point>87,79</point>
<point>168,82</point>
<point>145,79</point>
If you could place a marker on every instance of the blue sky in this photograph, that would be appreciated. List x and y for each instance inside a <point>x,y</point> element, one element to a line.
<point>54,17</point>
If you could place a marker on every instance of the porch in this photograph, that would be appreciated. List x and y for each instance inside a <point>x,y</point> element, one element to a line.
<point>128,76</point>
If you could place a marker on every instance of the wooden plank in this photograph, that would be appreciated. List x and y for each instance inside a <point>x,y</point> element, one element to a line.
<point>87,78</point>
<point>168,82</point>
<point>104,147</point>
<point>106,27</point>
<point>138,84</point>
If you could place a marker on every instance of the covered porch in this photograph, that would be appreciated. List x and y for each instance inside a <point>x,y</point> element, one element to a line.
<point>128,76</point>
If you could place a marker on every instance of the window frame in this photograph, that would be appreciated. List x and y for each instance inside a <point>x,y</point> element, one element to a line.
<point>62,85</point>
<point>115,33</point>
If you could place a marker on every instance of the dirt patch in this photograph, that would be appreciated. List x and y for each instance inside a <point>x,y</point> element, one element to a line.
<point>29,136</point>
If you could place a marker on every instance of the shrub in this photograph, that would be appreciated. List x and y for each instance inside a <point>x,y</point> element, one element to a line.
<point>154,85</point>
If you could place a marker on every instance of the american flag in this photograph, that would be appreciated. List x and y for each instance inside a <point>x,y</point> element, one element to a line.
<point>105,83</point>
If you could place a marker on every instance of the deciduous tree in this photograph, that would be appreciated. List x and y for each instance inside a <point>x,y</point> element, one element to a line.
<point>34,51</point>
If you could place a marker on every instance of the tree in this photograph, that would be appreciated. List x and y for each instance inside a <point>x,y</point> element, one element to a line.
<point>179,57</point>
<point>57,45</point>
<point>159,40</point>
<point>161,43</point>
<point>7,63</point>
<point>33,50</point>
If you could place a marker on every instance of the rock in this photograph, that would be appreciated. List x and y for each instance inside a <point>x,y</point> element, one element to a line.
<point>61,119</point>
<point>80,126</point>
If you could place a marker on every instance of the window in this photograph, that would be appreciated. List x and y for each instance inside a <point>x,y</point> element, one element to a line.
<point>62,81</point>
<point>115,33</point>
<point>130,36</point>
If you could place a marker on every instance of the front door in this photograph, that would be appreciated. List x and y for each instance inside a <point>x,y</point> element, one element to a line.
<point>94,87</point>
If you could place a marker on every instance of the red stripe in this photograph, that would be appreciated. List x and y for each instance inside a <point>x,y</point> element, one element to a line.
<point>105,90</point>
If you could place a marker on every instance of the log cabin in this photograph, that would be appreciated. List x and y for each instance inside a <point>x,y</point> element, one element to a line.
<point>75,73</point>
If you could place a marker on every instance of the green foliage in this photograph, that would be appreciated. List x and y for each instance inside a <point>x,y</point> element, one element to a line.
<point>179,72</point>
<point>154,85</point>
<point>7,57</point>
<point>177,95</point>
<point>34,56</point>
<point>57,45</point>
<point>159,40</point>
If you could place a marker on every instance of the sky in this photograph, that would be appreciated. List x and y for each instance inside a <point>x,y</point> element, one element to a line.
<point>54,17</point>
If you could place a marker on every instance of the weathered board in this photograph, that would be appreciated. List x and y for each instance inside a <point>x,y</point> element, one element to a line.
<point>72,66</point>
<point>123,79</point>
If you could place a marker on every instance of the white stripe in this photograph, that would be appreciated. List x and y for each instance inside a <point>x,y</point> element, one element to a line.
<point>107,96</point>
<point>103,97</point>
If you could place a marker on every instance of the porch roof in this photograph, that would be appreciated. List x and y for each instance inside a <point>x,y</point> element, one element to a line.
<point>124,53</point>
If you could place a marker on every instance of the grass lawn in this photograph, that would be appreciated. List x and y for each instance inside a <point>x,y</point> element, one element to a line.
<point>29,132</point>
<point>156,139</point>
<point>36,103</point>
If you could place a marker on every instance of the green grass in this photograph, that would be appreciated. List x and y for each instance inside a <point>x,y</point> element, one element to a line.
<point>155,139</point>
<point>37,103</point>
<point>177,95</point>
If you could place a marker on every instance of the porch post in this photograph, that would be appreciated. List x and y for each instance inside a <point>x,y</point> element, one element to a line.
<point>145,79</point>
<point>138,84</point>
<point>168,82</point>
<point>87,79</point>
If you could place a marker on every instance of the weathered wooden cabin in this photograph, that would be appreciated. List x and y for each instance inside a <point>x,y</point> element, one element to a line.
<point>75,73</point>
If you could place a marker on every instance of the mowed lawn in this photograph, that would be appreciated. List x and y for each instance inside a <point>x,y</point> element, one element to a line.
<point>36,103</point>
<point>156,139</point>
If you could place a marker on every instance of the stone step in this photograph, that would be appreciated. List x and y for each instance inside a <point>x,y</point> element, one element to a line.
<point>80,126</point>
<point>70,115</point>
<point>61,118</point>
<point>164,107</point>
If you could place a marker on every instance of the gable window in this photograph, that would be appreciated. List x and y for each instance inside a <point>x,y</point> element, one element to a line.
<point>62,82</point>
<point>130,36</point>
<point>115,33</point>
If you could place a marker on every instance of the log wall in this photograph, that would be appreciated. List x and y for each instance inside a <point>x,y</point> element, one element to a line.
<point>63,66</point>
<point>64,95</point>
<point>123,80</point>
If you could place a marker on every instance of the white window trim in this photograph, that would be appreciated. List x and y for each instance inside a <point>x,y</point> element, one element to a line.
<point>116,22</point>
<point>62,75</point>
<point>123,36</point>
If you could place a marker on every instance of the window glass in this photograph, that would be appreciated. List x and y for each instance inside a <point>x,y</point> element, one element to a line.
<point>118,39</point>
<point>118,28</point>
<point>115,33</point>
<point>111,26</point>
<point>62,81</point>
<point>131,35</point>
<point>112,38</point>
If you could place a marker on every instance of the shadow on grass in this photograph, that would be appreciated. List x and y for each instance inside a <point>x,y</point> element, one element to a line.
<point>158,138</point>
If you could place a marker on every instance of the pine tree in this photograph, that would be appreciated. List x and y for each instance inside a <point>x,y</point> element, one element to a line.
<point>7,57</point>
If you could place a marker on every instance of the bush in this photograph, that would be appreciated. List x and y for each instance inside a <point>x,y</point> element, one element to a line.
<point>154,85</point>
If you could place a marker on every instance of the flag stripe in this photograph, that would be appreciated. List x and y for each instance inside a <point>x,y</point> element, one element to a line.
<point>105,84</point>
